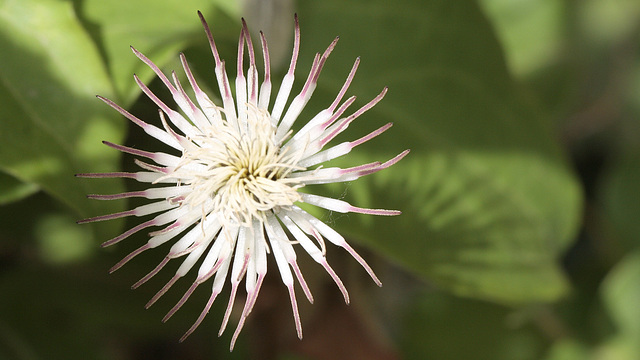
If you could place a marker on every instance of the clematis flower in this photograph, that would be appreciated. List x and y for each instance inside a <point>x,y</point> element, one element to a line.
<point>227,195</point>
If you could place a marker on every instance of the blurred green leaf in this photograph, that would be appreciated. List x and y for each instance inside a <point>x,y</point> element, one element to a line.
<point>12,189</point>
<point>605,22</point>
<point>531,31</point>
<point>488,201</point>
<point>568,350</point>
<point>618,348</point>
<point>442,326</point>
<point>621,294</point>
<point>621,198</point>
<point>61,240</point>
<point>158,29</point>
<point>50,72</point>
<point>80,312</point>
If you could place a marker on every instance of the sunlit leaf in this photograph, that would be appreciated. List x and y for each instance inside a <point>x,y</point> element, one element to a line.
<point>568,350</point>
<point>12,189</point>
<point>608,21</point>
<point>50,71</point>
<point>621,293</point>
<point>158,29</point>
<point>531,31</point>
<point>488,202</point>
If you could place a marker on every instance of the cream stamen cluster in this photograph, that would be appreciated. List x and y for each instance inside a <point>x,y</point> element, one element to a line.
<point>229,195</point>
<point>245,173</point>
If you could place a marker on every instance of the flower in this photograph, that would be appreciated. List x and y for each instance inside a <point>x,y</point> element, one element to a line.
<point>231,195</point>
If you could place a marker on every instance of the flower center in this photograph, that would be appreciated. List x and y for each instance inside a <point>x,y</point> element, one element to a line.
<point>239,170</point>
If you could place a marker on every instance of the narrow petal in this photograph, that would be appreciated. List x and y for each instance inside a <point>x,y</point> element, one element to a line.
<point>255,276</point>
<point>339,127</point>
<point>218,284</point>
<point>298,103</point>
<point>285,272</point>
<point>239,268</point>
<point>343,206</point>
<point>178,120</point>
<point>265,88</point>
<point>153,193</point>
<point>289,254</point>
<point>149,129</point>
<point>315,253</point>
<point>341,149</point>
<point>159,157</point>
<point>210,110</point>
<point>305,220</point>
<point>287,81</point>
<point>221,76</point>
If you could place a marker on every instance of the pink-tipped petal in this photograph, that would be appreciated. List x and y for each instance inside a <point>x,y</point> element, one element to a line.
<point>212,42</point>
<point>345,86</point>
<point>235,281</point>
<point>178,120</point>
<point>240,265</point>
<point>314,252</point>
<point>341,126</point>
<point>181,302</point>
<point>343,206</point>
<point>203,314</point>
<point>149,129</point>
<point>371,135</point>
<point>336,279</point>
<point>151,274</point>
<point>127,258</point>
<point>252,72</point>
<point>208,107</point>
<point>248,306</point>
<point>241,81</point>
<point>265,88</point>
<point>155,69</point>
<point>193,112</point>
<point>362,262</point>
<point>386,164</point>
<point>162,291</point>
<point>107,217</point>
<point>287,81</point>
<point>301,217</point>
<point>294,309</point>
<point>129,232</point>
<point>303,283</point>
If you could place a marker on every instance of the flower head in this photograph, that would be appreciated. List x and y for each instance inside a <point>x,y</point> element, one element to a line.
<point>229,194</point>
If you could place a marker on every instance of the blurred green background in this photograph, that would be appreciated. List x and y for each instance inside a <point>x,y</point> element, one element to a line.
<point>519,236</point>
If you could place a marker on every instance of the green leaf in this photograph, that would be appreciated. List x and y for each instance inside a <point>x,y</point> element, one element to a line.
<point>13,189</point>
<point>618,348</point>
<point>488,201</point>
<point>568,349</point>
<point>442,326</point>
<point>531,31</point>
<point>52,124</point>
<point>159,30</point>
<point>605,22</point>
<point>621,199</point>
<point>621,293</point>
<point>91,315</point>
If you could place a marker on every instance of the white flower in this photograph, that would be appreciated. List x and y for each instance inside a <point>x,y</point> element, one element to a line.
<point>230,194</point>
